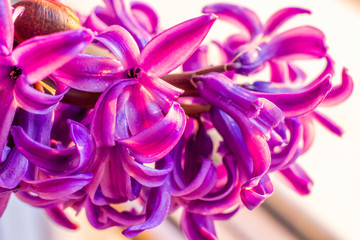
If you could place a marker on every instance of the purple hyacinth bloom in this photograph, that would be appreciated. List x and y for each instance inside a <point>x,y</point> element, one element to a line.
<point>261,43</point>
<point>29,63</point>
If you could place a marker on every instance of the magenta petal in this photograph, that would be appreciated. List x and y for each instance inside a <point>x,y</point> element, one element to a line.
<point>123,218</point>
<point>34,101</point>
<point>141,112</point>
<point>280,17</point>
<point>106,108</point>
<point>35,201</point>
<point>121,44</point>
<point>57,215</point>
<point>197,226</point>
<point>239,16</point>
<point>299,102</point>
<point>90,73</point>
<point>58,187</point>
<point>157,209</point>
<point>94,23</point>
<point>147,176</point>
<point>57,161</point>
<point>6,28</point>
<point>7,109</point>
<point>13,169</point>
<point>297,179</point>
<point>253,197</point>
<point>116,181</point>
<point>145,15</point>
<point>157,140</point>
<point>340,93</point>
<point>327,123</point>
<point>124,17</point>
<point>174,46</point>
<point>304,42</point>
<point>38,57</point>
<point>205,176</point>
<point>288,153</point>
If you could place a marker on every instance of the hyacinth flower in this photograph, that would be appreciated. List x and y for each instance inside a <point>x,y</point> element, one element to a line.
<point>141,133</point>
<point>138,18</point>
<point>25,66</point>
<point>260,43</point>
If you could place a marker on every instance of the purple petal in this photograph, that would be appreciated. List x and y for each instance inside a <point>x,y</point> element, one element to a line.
<point>304,42</point>
<point>34,101</point>
<point>38,57</point>
<point>121,44</point>
<point>90,73</point>
<point>202,184</point>
<point>58,187</point>
<point>13,169</point>
<point>7,107</point>
<point>96,216</point>
<point>340,93</point>
<point>116,181</point>
<point>57,215</point>
<point>17,12</point>
<point>147,176</point>
<point>197,226</point>
<point>297,179</point>
<point>157,208</point>
<point>218,206</point>
<point>239,16</point>
<point>106,108</point>
<point>125,18</point>
<point>198,60</point>
<point>289,153</point>
<point>174,46</point>
<point>253,197</point>
<point>327,123</point>
<point>94,23</point>
<point>248,146</point>
<point>236,101</point>
<point>141,112</point>
<point>280,17</point>
<point>123,218</point>
<point>146,16</point>
<point>157,140</point>
<point>298,102</point>
<point>58,161</point>
<point>35,201</point>
<point>6,28</point>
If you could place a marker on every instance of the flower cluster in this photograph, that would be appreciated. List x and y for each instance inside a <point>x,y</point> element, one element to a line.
<point>130,142</point>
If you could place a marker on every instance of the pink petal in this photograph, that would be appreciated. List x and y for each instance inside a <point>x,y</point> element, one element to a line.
<point>38,57</point>
<point>174,46</point>
<point>121,44</point>
<point>105,111</point>
<point>34,101</point>
<point>6,28</point>
<point>157,140</point>
<point>90,73</point>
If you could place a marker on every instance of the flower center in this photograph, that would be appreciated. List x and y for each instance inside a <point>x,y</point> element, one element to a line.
<point>133,72</point>
<point>15,72</point>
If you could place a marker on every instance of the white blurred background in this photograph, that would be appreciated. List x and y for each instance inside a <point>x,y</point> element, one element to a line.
<point>333,163</point>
